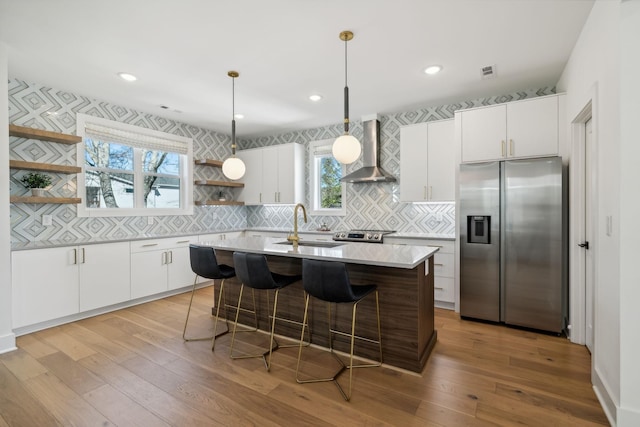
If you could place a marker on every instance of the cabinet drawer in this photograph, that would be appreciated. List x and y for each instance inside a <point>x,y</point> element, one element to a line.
<point>446,246</point>
<point>162,244</point>
<point>443,264</point>
<point>443,289</point>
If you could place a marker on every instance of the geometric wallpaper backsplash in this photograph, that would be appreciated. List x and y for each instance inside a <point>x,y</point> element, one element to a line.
<point>370,205</point>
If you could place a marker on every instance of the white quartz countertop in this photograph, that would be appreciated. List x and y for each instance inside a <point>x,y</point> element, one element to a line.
<point>387,255</point>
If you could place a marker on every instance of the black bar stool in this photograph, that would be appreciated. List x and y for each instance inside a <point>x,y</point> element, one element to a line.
<point>204,264</point>
<point>329,281</point>
<point>253,271</point>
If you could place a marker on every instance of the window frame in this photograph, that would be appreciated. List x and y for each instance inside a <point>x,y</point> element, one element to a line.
<point>186,173</point>
<point>314,181</point>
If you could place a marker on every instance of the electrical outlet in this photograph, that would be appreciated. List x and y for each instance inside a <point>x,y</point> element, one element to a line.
<point>47,220</point>
<point>149,220</point>
<point>439,217</point>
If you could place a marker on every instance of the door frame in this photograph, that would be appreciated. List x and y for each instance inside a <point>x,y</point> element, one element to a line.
<point>577,277</point>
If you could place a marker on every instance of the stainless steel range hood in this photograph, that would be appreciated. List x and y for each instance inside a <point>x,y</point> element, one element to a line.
<point>370,170</point>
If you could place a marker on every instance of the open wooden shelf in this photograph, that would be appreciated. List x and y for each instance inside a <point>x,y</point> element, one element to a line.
<point>219,203</point>
<point>218,183</point>
<point>209,162</point>
<point>44,167</point>
<point>43,135</point>
<point>54,200</point>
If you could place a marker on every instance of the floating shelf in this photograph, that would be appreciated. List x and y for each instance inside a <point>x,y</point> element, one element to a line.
<point>44,167</point>
<point>219,203</point>
<point>54,200</point>
<point>43,135</point>
<point>209,162</point>
<point>218,183</point>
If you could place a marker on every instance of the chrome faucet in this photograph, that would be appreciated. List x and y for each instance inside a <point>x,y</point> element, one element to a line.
<point>294,239</point>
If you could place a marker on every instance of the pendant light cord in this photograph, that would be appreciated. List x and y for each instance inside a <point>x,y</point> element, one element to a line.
<point>233,116</point>
<point>346,92</point>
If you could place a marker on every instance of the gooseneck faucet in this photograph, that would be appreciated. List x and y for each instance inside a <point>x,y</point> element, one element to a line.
<point>294,239</point>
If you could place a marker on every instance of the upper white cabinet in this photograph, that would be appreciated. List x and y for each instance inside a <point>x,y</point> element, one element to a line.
<point>427,162</point>
<point>520,129</point>
<point>274,175</point>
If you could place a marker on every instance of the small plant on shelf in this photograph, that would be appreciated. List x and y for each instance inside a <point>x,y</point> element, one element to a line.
<point>36,182</point>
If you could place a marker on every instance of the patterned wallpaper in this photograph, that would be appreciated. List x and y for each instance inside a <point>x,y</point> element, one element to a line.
<point>32,105</point>
<point>376,206</point>
<point>369,205</point>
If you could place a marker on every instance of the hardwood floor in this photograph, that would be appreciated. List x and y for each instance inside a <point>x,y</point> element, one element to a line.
<point>131,367</point>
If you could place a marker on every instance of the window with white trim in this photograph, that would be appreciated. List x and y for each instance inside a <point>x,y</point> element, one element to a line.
<point>327,193</point>
<point>132,171</point>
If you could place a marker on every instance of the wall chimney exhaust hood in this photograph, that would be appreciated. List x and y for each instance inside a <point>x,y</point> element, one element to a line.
<point>370,170</point>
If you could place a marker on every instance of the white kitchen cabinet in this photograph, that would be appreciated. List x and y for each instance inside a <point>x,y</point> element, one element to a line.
<point>104,274</point>
<point>443,265</point>
<point>220,236</point>
<point>159,265</point>
<point>520,129</point>
<point>275,175</point>
<point>427,162</point>
<point>276,234</point>
<point>44,284</point>
<point>55,282</point>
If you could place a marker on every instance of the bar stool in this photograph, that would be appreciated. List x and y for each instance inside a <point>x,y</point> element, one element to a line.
<point>253,271</point>
<point>329,281</point>
<point>204,264</point>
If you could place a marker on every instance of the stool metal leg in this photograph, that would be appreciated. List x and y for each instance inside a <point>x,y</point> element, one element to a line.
<point>184,331</point>
<point>226,316</point>
<point>235,325</point>
<point>352,336</point>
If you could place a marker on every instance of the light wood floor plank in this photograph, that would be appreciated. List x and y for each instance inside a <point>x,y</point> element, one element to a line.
<point>131,367</point>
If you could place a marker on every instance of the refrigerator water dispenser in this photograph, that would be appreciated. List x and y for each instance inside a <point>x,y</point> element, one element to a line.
<point>478,227</point>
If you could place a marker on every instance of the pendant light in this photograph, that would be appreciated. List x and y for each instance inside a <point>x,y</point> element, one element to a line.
<point>233,168</point>
<point>346,148</point>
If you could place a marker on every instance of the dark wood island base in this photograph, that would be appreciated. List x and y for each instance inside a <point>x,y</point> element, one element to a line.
<point>406,310</point>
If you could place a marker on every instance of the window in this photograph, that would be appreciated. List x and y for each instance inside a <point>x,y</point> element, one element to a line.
<point>327,192</point>
<point>133,171</point>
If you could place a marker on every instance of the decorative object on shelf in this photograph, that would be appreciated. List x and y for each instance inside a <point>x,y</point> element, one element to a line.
<point>233,168</point>
<point>346,148</point>
<point>221,196</point>
<point>37,182</point>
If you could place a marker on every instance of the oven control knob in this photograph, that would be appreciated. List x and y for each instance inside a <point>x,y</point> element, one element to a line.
<point>369,236</point>
<point>376,237</point>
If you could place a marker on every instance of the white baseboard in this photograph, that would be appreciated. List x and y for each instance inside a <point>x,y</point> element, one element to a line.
<point>606,400</point>
<point>8,343</point>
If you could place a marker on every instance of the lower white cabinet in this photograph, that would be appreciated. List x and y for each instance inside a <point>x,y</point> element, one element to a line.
<point>160,265</point>
<point>212,237</point>
<point>56,282</point>
<point>443,266</point>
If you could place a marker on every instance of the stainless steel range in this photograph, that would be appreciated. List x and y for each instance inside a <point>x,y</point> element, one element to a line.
<point>366,236</point>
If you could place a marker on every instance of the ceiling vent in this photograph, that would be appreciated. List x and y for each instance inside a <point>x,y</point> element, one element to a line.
<point>488,72</point>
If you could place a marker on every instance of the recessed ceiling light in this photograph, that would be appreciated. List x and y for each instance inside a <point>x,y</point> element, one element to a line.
<point>315,98</point>
<point>434,69</point>
<point>128,77</point>
<point>238,116</point>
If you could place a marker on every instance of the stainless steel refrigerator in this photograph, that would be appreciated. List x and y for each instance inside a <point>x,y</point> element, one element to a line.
<point>513,256</point>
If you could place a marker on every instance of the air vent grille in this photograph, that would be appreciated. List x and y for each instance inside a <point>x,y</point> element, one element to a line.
<point>488,72</point>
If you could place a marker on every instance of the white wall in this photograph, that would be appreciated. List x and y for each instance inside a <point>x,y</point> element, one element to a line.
<point>601,54</point>
<point>7,338</point>
<point>629,413</point>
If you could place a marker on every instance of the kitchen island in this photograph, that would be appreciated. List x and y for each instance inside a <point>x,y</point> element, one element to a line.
<point>403,273</point>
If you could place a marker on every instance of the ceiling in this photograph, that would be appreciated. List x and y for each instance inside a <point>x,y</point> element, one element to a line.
<point>286,50</point>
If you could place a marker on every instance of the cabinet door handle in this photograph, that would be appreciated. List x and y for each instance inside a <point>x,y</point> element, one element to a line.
<point>149,244</point>
<point>503,148</point>
<point>260,197</point>
<point>75,256</point>
<point>438,288</point>
<point>511,147</point>
<point>424,192</point>
<point>438,264</point>
<point>170,257</point>
<point>163,258</point>
<point>83,258</point>
<point>183,241</point>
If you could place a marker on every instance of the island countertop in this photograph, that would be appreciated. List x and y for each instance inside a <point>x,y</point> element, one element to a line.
<point>397,256</point>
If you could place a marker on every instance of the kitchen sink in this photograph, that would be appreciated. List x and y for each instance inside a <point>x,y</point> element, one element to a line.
<point>314,244</point>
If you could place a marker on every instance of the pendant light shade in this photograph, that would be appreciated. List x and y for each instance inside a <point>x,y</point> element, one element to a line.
<point>346,148</point>
<point>233,168</point>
